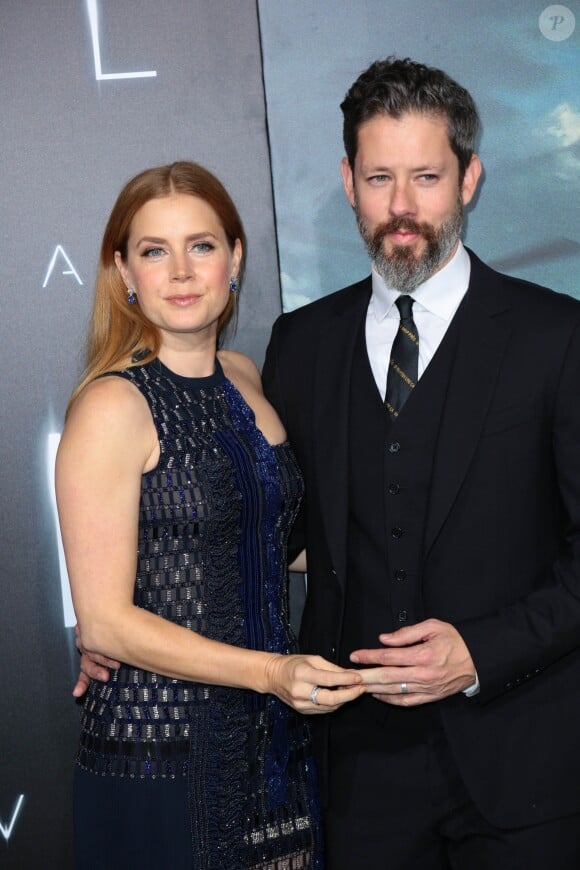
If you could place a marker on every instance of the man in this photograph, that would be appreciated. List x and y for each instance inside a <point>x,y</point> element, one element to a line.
<point>441,454</point>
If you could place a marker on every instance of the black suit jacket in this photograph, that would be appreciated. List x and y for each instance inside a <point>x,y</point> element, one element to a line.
<point>501,556</point>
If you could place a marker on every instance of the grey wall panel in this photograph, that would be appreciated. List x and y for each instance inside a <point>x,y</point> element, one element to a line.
<point>70,141</point>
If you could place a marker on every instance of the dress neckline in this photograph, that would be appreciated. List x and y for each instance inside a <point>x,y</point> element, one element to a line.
<point>208,381</point>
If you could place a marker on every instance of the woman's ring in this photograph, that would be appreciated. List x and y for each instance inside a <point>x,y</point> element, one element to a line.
<point>404,689</point>
<point>314,693</point>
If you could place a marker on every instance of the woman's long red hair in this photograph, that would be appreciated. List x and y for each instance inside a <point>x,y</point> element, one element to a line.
<point>118,331</point>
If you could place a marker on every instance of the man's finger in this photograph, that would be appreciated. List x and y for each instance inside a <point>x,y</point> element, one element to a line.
<point>412,699</point>
<point>399,657</point>
<point>90,660</point>
<point>81,686</point>
<point>411,634</point>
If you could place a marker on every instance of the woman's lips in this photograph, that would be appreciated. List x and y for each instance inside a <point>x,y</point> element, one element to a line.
<point>183,301</point>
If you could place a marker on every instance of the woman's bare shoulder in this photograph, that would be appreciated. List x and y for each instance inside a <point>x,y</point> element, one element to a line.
<point>237,365</point>
<point>112,396</point>
<point>111,415</point>
<point>244,374</point>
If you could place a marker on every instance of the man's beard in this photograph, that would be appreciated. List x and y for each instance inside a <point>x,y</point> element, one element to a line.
<point>402,270</point>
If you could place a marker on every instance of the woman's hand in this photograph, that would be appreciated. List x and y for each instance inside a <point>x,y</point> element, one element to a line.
<point>293,679</point>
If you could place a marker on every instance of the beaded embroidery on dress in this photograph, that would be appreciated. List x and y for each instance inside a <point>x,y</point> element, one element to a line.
<point>214,520</point>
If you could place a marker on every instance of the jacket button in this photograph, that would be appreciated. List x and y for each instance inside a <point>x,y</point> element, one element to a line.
<point>400,574</point>
<point>402,616</point>
<point>394,447</point>
<point>394,489</point>
<point>396,532</point>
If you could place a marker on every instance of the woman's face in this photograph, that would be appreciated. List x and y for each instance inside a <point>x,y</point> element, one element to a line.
<point>179,264</point>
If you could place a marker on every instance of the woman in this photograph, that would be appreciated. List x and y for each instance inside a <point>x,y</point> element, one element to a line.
<point>176,490</point>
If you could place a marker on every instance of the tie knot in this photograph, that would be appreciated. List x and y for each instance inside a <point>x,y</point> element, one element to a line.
<point>405,305</point>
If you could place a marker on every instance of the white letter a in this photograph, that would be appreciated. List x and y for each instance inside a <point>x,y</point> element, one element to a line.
<point>70,271</point>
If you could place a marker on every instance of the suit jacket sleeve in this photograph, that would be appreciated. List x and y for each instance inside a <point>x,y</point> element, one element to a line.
<point>516,643</point>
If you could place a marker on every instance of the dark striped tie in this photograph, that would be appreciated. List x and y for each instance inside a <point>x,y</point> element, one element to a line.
<point>404,362</point>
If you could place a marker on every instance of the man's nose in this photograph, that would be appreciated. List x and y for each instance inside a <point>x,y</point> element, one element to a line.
<point>402,200</point>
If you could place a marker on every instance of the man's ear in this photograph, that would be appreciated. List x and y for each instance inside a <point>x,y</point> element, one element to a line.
<point>347,180</point>
<point>471,179</point>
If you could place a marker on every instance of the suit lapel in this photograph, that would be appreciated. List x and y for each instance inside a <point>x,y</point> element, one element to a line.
<point>331,423</point>
<point>483,337</point>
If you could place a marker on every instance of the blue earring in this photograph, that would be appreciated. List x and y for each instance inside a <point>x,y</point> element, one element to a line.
<point>233,285</point>
<point>131,297</point>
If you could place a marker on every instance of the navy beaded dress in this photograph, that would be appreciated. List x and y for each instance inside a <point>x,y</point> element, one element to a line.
<point>188,775</point>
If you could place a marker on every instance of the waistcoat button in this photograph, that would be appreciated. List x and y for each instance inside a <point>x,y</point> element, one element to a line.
<point>400,574</point>
<point>396,532</point>
<point>394,489</point>
<point>394,447</point>
<point>402,615</point>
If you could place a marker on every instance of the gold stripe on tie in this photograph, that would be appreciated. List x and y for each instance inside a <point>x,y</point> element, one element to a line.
<point>404,362</point>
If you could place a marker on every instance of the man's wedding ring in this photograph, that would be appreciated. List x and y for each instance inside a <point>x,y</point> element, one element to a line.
<point>404,689</point>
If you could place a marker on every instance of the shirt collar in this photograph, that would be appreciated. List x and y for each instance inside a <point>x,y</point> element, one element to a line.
<point>440,294</point>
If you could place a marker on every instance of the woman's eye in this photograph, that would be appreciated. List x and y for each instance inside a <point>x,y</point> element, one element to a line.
<point>152,252</point>
<point>202,247</point>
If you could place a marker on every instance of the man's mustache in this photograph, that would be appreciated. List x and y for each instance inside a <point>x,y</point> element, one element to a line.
<point>396,225</point>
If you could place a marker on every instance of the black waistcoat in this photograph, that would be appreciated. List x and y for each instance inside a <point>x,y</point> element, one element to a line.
<point>389,481</point>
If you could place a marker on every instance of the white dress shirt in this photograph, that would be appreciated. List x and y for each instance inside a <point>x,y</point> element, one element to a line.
<point>436,301</point>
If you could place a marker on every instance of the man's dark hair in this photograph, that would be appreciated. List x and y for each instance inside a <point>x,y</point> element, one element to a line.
<point>394,87</point>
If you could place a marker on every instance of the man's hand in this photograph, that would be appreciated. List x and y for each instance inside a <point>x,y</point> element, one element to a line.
<point>93,667</point>
<point>417,664</point>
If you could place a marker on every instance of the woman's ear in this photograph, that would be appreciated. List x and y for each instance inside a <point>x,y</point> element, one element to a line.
<point>122,269</point>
